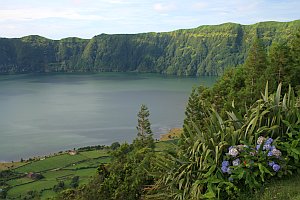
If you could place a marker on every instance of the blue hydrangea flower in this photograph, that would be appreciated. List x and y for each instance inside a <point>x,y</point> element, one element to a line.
<point>267,147</point>
<point>269,141</point>
<point>224,169</point>
<point>225,163</point>
<point>258,147</point>
<point>272,147</point>
<point>236,162</point>
<point>276,167</point>
<point>271,163</point>
<point>270,153</point>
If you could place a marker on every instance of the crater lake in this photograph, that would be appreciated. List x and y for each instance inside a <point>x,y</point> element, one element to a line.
<point>46,113</point>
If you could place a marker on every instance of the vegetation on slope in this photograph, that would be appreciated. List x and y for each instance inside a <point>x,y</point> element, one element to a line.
<point>238,136</point>
<point>206,50</point>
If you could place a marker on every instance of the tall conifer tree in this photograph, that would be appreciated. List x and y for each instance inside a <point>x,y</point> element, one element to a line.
<point>145,136</point>
<point>255,65</point>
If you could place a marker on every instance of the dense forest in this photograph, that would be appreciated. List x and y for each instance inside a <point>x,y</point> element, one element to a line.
<point>206,50</point>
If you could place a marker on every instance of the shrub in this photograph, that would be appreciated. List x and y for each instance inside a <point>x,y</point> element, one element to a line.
<point>200,169</point>
<point>250,166</point>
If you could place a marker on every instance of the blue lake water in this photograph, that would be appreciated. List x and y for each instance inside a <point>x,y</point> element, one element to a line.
<point>42,114</point>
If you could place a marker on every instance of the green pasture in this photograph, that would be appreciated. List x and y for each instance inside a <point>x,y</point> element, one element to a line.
<point>94,154</point>
<point>19,181</point>
<point>54,175</point>
<point>22,190</point>
<point>54,162</point>
<point>51,178</point>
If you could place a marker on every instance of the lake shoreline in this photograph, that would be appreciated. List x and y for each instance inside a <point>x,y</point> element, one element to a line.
<point>172,134</point>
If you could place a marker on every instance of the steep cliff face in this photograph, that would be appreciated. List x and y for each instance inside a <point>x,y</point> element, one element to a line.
<point>206,50</point>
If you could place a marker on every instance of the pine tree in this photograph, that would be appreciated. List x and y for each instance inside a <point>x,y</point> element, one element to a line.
<point>280,66</point>
<point>145,136</point>
<point>295,53</point>
<point>193,112</point>
<point>195,115</point>
<point>255,65</point>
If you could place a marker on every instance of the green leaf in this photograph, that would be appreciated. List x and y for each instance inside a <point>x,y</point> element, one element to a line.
<point>209,195</point>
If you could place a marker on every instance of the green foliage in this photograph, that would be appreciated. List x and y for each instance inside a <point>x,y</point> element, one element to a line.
<point>244,84</point>
<point>60,186</point>
<point>206,50</point>
<point>253,165</point>
<point>144,135</point>
<point>195,111</point>
<point>123,179</point>
<point>195,171</point>
<point>74,182</point>
<point>115,145</point>
<point>255,65</point>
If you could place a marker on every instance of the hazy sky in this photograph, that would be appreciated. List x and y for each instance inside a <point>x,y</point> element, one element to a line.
<point>85,18</point>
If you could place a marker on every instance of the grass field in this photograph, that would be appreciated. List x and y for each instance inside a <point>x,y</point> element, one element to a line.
<point>94,154</point>
<point>19,181</point>
<point>51,178</point>
<point>54,162</point>
<point>37,186</point>
<point>54,175</point>
<point>90,163</point>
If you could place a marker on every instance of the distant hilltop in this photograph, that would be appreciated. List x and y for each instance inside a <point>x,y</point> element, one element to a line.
<point>206,50</point>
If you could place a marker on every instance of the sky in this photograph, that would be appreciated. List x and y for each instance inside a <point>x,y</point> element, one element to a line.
<point>58,19</point>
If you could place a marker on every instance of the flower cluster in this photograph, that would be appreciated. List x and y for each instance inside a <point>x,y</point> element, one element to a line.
<point>275,166</point>
<point>267,146</point>
<point>271,151</point>
<point>225,167</point>
<point>242,155</point>
<point>233,152</point>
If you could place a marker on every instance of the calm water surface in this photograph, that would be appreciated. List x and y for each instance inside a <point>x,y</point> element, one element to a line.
<point>41,114</point>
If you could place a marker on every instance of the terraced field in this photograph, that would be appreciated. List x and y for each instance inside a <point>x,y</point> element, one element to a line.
<point>50,163</point>
<point>55,169</point>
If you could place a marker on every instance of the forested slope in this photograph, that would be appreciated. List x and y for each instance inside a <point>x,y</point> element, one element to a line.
<point>205,50</point>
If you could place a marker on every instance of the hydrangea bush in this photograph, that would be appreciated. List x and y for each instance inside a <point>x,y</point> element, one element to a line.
<point>248,165</point>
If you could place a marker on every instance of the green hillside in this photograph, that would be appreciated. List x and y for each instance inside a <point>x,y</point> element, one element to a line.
<point>205,50</point>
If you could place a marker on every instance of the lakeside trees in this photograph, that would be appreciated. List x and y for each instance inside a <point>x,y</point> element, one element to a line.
<point>127,174</point>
